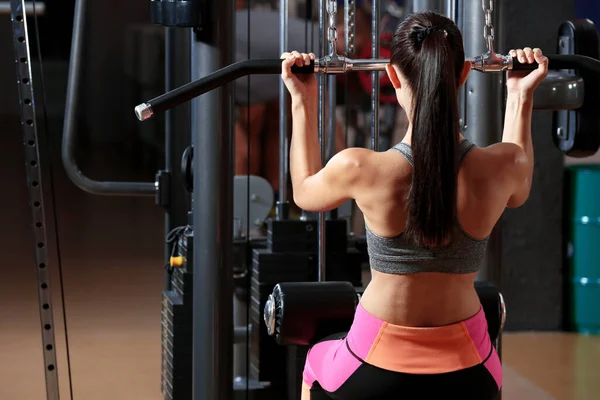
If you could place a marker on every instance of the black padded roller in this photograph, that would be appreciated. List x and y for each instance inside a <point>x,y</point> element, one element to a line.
<point>302,313</point>
<point>489,296</point>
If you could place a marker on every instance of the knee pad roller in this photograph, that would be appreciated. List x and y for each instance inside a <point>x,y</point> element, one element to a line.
<point>494,308</point>
<point>302,313</point>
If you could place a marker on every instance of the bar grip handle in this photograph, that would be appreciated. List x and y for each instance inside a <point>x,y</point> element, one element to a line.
<point>563,61</point>
<point>275,66</point>
<point>519,66</point>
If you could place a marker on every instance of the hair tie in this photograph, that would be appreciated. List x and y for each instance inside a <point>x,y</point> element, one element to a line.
<point>421,35</point>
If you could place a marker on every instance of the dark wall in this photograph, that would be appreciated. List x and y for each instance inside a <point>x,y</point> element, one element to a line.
<point>532,235</point>
<point>105,79</point>
<point>588,9</point>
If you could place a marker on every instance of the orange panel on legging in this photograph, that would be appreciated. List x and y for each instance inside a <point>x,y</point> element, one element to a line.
<point>423,350</point>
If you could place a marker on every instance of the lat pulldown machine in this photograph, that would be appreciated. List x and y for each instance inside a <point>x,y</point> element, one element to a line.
<point>265,366</point>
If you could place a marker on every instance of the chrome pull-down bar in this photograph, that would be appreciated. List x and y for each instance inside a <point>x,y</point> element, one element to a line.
<point>339,65</point>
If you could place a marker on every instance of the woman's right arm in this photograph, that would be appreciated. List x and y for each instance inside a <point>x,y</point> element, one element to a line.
<point>517,131</point>
<point>517,124</point>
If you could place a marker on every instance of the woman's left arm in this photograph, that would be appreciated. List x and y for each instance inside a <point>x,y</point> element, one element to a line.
<point>317,188</point>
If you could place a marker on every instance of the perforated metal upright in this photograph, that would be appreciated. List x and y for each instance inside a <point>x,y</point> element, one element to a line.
<point>36,198</point>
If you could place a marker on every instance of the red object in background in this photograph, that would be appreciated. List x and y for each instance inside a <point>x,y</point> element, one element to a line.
<point>387,93</point>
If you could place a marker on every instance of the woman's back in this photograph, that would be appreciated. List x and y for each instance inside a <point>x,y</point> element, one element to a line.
<point>414,285</point>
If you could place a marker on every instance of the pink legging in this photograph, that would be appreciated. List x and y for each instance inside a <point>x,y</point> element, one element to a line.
<point>379,359</point>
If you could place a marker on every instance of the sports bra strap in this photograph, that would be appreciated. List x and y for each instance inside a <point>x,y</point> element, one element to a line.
<point>405,150</point>
<point>465,146</point>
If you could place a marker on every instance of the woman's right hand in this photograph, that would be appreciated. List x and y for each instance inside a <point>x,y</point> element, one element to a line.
<point>525,82</point>
<point>301,86</point>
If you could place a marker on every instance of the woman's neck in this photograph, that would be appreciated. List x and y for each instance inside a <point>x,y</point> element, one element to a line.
<point>408,135</point>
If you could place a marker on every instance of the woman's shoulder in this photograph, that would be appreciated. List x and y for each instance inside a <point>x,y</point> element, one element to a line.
<point>494,160</point>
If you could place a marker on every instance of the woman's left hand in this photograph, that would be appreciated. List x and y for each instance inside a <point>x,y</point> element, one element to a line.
<point>300,86</point>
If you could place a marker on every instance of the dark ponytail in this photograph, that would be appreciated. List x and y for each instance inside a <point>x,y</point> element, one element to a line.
<point>428,51</point>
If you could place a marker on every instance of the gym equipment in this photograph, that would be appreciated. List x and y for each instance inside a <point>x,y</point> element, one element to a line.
<point>252,202</point>
<point>211,82</point>
<point>576,131</point>
<point>340,65</point>
<point>40,8</point>
<point>253,196</point>
<point>283,208</point>
<point>176,320</point>
<point>18,13</point>
<point>70,121</point>
<point>349,26</point>
<point>303,313</point>
<point>291,255</point>
<point>176,13</point>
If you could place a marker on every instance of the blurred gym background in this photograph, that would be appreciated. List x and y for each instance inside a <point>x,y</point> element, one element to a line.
<point>112,248</point>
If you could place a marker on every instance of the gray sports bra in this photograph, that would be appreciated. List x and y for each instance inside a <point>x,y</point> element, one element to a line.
<point>396,255</point>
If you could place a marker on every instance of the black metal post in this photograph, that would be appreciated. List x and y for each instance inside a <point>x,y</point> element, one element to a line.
<point>283,203</point>
<point>484,111</point>
<point>177,130</point>
<point>429,5</point>
<point>212,133</point>
<point>375,85</point>
<point>322,123</point>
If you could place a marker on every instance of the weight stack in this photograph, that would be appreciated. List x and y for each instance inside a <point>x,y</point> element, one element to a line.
<point>177,328</point>
<point>292,256</point>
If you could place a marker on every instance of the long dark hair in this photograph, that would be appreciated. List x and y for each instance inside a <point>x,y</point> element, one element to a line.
<point>428,50</point>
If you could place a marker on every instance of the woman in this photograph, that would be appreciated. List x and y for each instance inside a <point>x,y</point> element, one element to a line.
<point>430,204</point>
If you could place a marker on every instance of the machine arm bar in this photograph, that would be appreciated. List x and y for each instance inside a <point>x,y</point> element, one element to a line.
<point>581,63</point>
<point>218,78</point>
<point>555,62</point>
<point>338,65</point>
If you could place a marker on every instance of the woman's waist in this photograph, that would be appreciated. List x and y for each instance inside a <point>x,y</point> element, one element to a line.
<point>421,300</point>
<point>420,350</point>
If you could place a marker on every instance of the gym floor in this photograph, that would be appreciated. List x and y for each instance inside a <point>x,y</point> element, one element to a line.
<point>111,250</point>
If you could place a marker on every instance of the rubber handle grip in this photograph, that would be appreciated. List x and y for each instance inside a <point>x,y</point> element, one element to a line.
<point>519,66</point>
<point>306,69</point>
<point>274,67</point>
